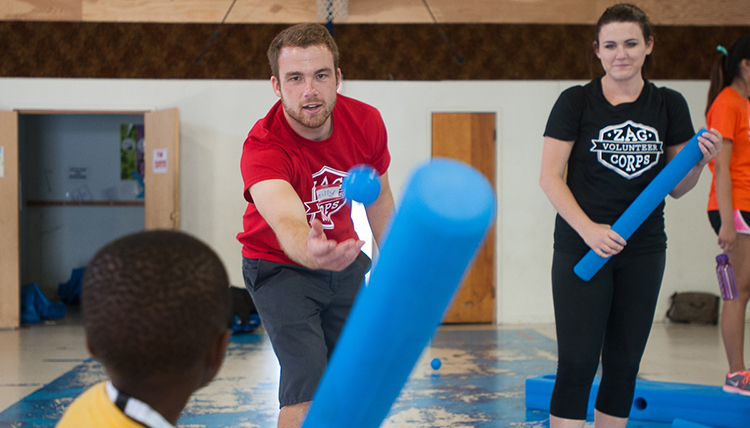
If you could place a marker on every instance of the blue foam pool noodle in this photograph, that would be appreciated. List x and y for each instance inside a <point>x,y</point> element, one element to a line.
<point>445,213</point>
<point>682,423</point>
<point>661,402</point>
<point>646,203</point>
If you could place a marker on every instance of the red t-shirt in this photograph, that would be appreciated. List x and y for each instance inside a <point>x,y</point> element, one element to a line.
<point>730,114</point>
<point>315,169</point>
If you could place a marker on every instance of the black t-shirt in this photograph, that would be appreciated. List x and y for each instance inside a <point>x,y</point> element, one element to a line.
<point>617,151</point>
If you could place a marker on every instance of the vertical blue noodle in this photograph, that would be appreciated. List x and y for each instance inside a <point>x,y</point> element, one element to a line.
<point>446,212</point>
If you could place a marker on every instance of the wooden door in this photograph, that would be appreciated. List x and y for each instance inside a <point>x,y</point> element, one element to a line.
<point>162,158</point>
<point>10,271</point>
<point>470,138</point>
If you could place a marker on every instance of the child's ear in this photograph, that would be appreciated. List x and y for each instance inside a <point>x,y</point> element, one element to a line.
<point>215,355</point>
<point>90,349</point>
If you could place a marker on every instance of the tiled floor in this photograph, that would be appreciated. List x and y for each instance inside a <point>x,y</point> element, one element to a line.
<point>481,381</point>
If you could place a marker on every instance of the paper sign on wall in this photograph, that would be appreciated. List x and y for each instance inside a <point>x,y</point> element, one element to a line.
<point>160,161</point>
<point>77,173</point>
<point>2,161</point>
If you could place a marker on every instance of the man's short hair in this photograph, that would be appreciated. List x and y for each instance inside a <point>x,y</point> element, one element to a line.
<point>152,303</point>
<point>302,36</point>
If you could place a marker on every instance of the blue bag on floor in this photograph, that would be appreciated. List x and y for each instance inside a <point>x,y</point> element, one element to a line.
<point>70,292</point>
<point>248,326</point>
<point>244,318</point>
<point>36,307</point>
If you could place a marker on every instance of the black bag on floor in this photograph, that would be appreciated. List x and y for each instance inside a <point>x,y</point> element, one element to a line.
<point>694,307</point>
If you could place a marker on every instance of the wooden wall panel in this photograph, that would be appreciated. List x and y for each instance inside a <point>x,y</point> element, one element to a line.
<point>10,273</point>
<point>368,51</point>
<point>675,12</point>
<point>517,12</point>
<point>155,11</point>
<point>199,11</point>
<point>42,10</point>
<point>690,12</point>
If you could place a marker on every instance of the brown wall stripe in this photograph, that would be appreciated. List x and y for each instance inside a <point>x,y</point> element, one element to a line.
<point>368,51</point>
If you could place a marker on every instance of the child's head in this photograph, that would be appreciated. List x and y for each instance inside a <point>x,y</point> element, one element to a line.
<point>154,303</point>
<point>729,66</point>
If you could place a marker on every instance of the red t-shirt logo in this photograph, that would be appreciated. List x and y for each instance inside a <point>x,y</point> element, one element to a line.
<point>326,196</point>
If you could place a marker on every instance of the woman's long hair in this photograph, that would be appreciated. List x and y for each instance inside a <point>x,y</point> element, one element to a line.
<point>726,66</point>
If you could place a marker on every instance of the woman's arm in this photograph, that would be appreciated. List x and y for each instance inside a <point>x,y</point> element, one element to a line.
<point>599,237</point>
<point>710,145</point>
<point>727,232</point>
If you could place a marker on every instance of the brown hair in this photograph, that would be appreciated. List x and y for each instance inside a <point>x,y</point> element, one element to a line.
<point>153,302</point>
<point>726,67</point>
<point>302,36</point>
<point>625,12</point>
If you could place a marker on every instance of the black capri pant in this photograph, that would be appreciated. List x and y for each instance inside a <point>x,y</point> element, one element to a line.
<point>609,316</point>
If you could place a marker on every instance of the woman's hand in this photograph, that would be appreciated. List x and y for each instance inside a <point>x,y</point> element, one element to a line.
<point>710,145</point>
<point>603,240</point>
<point>727,236</point>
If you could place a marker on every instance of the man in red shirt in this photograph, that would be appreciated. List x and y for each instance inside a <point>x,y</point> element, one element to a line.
<point>302,262</point>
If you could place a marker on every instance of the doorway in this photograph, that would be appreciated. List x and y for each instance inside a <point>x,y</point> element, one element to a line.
<point>470,138</point>
<point>66,196</point>
<point>77,191</point>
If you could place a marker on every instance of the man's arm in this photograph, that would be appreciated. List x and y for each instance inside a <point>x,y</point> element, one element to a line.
<point>379,212</point>
<point>283,210</point>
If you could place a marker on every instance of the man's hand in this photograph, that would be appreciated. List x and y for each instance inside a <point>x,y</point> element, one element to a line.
<point>330,255</point>
<point>304,243</point>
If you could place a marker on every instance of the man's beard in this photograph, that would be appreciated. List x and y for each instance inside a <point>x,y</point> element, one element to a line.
<point>306,120</point>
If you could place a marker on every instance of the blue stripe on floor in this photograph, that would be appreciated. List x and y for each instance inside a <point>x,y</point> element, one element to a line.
<point>480,384</point>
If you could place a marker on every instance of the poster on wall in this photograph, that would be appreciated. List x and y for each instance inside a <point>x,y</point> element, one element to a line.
<point>131,152</point>
<point>2,162</point>
<point>132,165</point>
<point>160,161</point>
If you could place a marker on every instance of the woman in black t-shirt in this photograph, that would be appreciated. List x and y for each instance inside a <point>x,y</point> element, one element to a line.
<point>604,143</point>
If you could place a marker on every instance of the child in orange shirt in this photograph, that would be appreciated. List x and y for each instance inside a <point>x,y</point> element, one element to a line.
<point>728,111</point>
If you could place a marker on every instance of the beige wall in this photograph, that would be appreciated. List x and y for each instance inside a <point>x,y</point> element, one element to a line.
<point>215,117</point>
<point>677,12</point>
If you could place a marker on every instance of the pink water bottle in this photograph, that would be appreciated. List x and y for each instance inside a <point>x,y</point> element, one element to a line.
<point>725,273</point>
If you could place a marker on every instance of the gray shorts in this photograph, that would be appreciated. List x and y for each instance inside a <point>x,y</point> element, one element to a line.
<point>303,311</point>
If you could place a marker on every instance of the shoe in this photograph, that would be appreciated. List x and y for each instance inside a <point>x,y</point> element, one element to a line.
<point>738,383</point>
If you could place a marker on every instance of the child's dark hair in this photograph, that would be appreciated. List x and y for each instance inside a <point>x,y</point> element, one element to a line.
<point>726,67</point>
<point>625,12</point>
<point>152,302</point>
